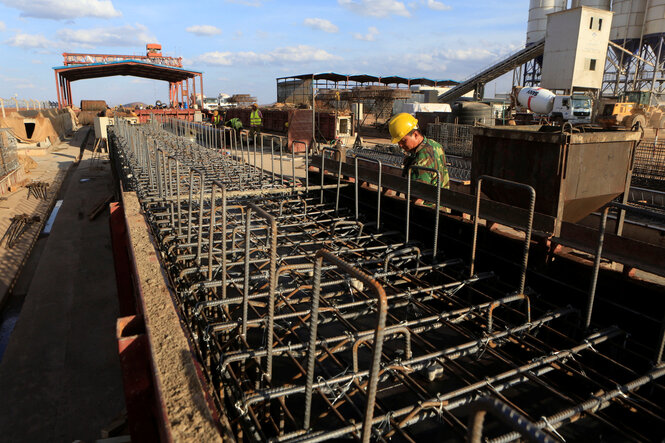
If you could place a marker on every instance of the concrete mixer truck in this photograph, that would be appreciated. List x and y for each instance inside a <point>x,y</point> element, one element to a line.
<point>575,108</point>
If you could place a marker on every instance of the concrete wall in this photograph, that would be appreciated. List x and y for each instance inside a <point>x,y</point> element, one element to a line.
<point>576,48</point>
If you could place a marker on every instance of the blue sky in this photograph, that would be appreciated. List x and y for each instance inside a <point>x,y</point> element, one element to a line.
<point>243,45</point>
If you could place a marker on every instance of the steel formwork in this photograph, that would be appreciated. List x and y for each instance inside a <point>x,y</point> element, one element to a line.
<point>316,321</point>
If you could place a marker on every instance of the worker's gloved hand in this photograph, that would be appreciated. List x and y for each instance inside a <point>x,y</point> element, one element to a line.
<point>408,161</point>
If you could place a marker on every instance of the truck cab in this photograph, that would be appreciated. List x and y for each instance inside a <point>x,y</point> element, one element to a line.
<point>575,109</point>
<point>210,104</point>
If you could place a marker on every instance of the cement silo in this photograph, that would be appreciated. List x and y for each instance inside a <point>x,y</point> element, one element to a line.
<point>628,20</point>
<point>654,32</point>
<point>654,26</point>
<point>598,4</point>
<point>538,10</point>
<point>530,72</point>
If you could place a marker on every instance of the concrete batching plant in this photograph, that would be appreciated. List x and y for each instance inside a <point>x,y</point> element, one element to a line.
<point>635,58</point>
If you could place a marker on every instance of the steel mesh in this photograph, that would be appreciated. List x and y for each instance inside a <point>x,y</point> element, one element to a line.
<point>456,139</point>
<point>649,166</point>
<point>8,154</point>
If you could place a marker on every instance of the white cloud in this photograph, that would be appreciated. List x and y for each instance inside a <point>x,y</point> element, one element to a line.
<point>62,10</point>
<point>435,62</point>
<point>35,61</point>
<point>127,35</point>
<point>204,30</point>
<point>426,63</point>
<point>376,8</point>
<point>438,6</point>
<point>253,3</point>
<point>29,41</point>
<point>372,32</point>
<point>18,83</point>
<point>475,54</point>
<point>321,24</point>
<point>290,54</point>
<point>2,27</point>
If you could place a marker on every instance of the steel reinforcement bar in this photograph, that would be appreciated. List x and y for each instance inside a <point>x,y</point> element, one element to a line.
<point>313,321</point>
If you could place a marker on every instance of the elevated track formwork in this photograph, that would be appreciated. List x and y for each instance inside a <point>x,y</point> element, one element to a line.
<point>320,308</point>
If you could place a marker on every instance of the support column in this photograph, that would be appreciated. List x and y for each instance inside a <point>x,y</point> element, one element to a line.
<point>57,90</point>
<point>173,92</point>
<point>201,78</point>
<point>191,105</point>
<point>63,91</point>
<point>69,93</point>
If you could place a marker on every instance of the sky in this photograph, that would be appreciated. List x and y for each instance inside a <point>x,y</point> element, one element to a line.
<point>242,46</point>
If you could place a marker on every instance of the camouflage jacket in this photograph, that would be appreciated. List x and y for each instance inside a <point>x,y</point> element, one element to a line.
<point>429,154</point>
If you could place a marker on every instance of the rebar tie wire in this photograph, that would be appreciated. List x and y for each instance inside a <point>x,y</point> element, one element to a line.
<point>552,429</point>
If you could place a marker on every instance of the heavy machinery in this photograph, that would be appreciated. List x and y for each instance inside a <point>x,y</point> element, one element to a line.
<point>632,108</point>
<point>575,108</point>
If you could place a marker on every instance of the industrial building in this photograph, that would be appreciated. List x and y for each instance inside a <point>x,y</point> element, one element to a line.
<point>167,277</point>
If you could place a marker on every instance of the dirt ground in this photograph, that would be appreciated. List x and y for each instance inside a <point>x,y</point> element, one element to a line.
<point>60,376</point>
<point>50,168</point>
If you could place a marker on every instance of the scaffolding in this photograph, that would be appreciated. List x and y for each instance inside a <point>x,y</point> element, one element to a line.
<point>635,65</point>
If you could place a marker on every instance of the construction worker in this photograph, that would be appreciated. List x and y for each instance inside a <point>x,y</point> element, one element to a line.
<point>420,150</point>
<point>255,120</point>
<point>216,118</point>
<point>234,123</point>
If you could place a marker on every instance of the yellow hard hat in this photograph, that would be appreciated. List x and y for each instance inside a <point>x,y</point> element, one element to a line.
<point>400,125</point>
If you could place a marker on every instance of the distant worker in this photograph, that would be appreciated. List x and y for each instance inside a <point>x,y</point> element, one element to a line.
<point>216,118</point>
<point>234,123</point>
<point>255,121</point>
<point>420,151</point>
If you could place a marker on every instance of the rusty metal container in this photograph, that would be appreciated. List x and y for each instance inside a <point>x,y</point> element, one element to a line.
<point>573,174</point>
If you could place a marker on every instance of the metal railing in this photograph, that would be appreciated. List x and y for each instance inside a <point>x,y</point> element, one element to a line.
<point>22,104</point>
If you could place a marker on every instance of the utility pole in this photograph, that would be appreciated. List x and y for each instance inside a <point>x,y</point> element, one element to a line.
<point>313,115</point>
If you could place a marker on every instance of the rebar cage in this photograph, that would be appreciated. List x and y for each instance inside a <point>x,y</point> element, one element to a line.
<point>315,322</point>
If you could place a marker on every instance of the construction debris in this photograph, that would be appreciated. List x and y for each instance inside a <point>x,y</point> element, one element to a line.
<point>37,189</point>
<point>19,225</point>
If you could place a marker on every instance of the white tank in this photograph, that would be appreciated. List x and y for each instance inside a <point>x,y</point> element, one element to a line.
<point>655,23</point>
<point>538,100</point>
<point>598,4</point>
<point>538,10</point>
<point>628,19</point>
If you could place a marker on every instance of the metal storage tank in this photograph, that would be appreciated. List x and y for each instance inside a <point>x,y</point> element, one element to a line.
<point>628,20</point>
<point>599,4</point>
<point>655,21</point>
<point>538,10</point>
